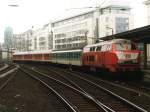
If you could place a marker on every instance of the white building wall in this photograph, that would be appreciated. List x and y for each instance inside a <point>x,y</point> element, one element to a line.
<point>39,40</point>
<point>148,14</point>
<point>148,10</point>
<point>91,24</point>
<point>70,33</point>
<point>75,32</point>
<point>109,20</point>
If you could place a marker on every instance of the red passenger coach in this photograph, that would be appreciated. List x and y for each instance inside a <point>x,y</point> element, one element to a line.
<point>114,55</point>
<point>33,56</point>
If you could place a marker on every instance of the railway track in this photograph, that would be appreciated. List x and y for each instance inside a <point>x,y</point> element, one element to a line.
<point>101,94</point>
<point>135,91</point>
<point>7,75</point>
<point>137,97</point>
<point>138,87</point>
<point>75,99</point>
<point>7,68</point>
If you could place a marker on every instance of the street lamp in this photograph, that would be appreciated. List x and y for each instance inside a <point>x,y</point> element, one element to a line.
<point>13,5</point>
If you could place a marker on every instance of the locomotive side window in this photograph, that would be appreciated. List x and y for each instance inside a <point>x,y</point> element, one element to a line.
<point>92,48</point>
<point>104,48</point>
<point>98,48</point>
<point>108,47</point>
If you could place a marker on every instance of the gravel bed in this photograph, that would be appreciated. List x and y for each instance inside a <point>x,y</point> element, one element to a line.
<point>24,94</point>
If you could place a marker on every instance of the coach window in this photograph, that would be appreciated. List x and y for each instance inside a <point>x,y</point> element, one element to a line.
<point>79,55</point>
<point>74,55</point>
<point>71,55</point>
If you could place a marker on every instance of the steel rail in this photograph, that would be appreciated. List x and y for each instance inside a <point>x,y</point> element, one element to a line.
<point>123,87</point>
<point>55,92</point>
<point>86,95</point>
<point>78,87</point>
<point>111,93</point>
<point>7,81</point>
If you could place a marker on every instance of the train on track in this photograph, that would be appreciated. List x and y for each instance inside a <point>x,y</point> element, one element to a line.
<point>113,55</point>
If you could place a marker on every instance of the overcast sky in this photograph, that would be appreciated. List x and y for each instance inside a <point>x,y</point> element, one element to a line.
<point>39,12</point>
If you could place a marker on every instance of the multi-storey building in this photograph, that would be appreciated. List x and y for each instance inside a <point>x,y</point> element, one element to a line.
<point>8,35</point>
<point>79,30</point>
<point>72,32</point>
<point>115,19</point>
<point>86,28</point>
<point>148,10</point>
<point>40,39</point>
<point>22,41</point>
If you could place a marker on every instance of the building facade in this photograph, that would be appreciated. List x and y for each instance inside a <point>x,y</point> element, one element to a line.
<point>72,32</point>
<point>8,36</point>
<point>34,40</point>
<point>147,3</point>
<point>86,28</point>
<point>115,19</point>
<point>22,42</point>
<point>77,31</point>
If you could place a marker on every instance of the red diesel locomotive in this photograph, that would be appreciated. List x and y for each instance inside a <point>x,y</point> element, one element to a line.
<point>114,55</point>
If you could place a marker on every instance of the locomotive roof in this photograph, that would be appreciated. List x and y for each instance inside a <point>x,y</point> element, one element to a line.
<point>108,42</point>
<point>76,50</point>
<point>33,52</point>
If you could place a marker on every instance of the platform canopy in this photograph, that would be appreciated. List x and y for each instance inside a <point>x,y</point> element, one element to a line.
<point>140,35</point>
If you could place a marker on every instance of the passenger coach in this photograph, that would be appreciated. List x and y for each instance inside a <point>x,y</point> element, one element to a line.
<point>69,57</point>
<point>44,55</point>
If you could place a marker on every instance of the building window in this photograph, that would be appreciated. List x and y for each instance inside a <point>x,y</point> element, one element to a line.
<point>122,24</point>
<point>107,19</point>
<point>107,33</point>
